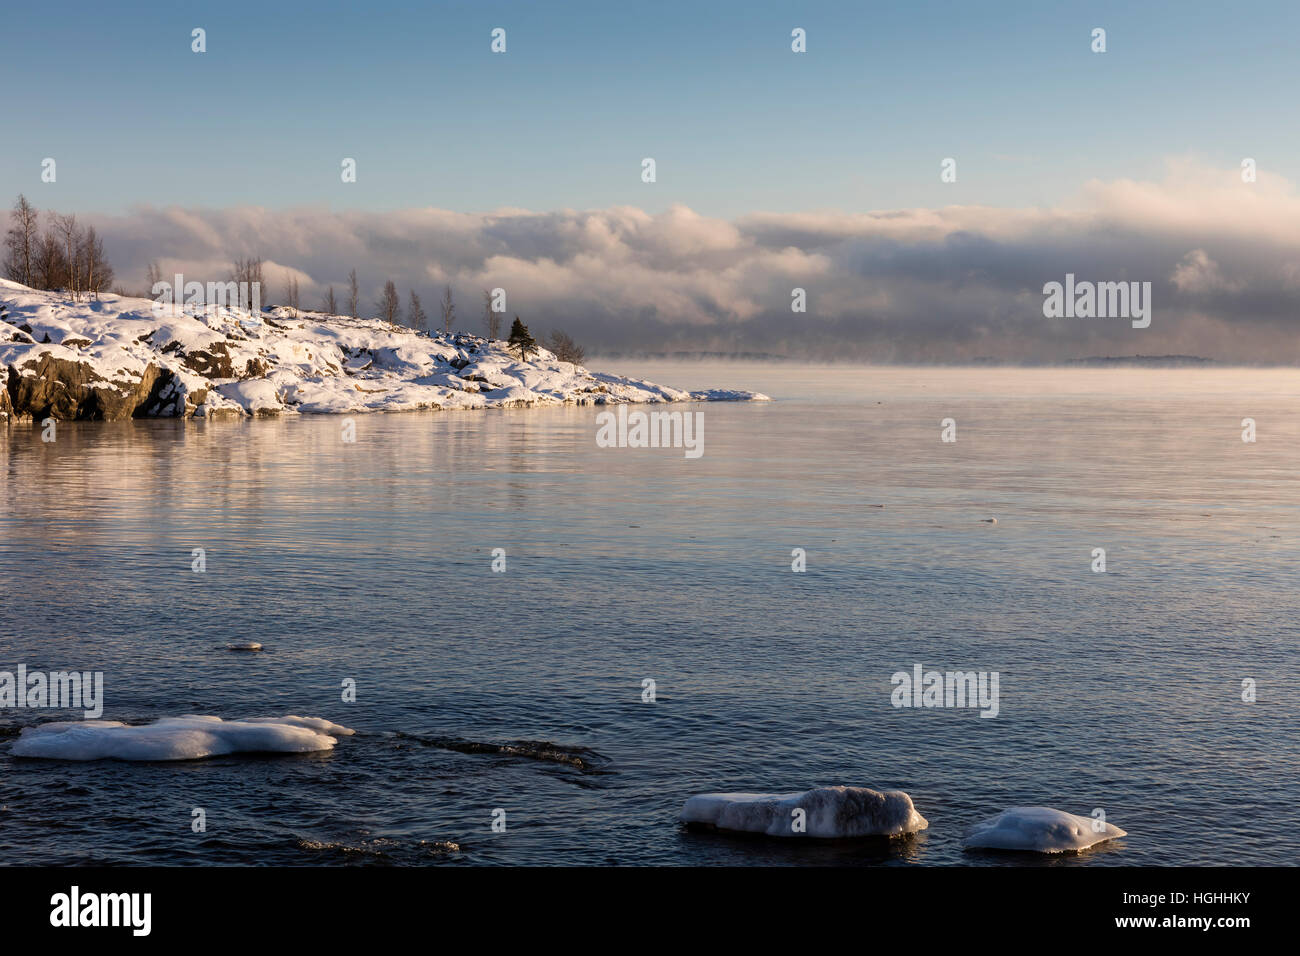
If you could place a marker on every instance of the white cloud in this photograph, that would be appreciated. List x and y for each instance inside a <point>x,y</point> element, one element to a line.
<point>951,283</point>
<point>1198,274</point>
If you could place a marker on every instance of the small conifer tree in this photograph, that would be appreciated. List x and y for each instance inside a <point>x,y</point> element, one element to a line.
<point>522,340</point>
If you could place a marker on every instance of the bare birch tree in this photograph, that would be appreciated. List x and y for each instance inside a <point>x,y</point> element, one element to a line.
<point>491,319</point>
<point>390,305</point>
<point>448,309</point>
<point>97,274</point>
<point>416,316</point>
<point>565,349</point>
<point>291,292</point>
<point>66,228</point>
<point>21,241</point>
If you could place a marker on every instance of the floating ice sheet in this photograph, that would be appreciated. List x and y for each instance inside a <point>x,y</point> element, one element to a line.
<point>1040,830</point>
<point>175,738</point>
<point>829,812</point>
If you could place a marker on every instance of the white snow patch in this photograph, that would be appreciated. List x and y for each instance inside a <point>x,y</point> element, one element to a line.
<point>1040,830</point>
<point>175,738</point>
<point>304,362</point>
<point>831,812</point>
<point>253,396</point>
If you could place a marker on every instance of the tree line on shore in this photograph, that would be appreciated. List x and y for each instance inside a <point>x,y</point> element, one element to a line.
<point>389,308</point>
<point>69,257</point>
<point>64,256</point>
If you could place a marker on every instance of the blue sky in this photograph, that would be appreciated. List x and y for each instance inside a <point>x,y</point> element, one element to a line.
<point>776,170</point>
<point>736,122</point>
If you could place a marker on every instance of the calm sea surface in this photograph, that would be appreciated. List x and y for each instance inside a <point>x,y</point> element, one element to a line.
<point>372,561</point>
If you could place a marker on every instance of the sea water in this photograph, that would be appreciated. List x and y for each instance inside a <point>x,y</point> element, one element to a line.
<point>650,629</point>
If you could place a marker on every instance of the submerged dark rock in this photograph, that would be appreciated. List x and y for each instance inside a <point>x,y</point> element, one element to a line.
<point>580,757</point>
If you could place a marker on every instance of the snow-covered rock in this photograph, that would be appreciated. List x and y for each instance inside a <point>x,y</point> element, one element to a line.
<point>829,812</point>
<point>175,738</point>
<point>112,358</point>
<point>1040,830</point>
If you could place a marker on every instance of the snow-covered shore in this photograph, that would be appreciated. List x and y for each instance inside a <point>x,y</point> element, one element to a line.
<point>111,358</point>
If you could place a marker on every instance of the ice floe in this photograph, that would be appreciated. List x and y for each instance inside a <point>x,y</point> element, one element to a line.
<point>1040,830</point>
<point>828,813</point>
<point>176,738</point>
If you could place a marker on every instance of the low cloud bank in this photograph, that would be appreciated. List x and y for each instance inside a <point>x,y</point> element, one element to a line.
<point>951,284</point>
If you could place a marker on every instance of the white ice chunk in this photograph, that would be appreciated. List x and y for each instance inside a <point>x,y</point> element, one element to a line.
<point>175,738</point>
<point>830,812</point>
<point>728,395</point>
<point>1040,830</point>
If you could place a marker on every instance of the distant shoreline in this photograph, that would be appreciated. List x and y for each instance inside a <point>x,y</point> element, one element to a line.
<point>1095,361</point>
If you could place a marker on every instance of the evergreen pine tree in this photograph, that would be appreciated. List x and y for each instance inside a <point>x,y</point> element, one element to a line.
<point>521,339</point>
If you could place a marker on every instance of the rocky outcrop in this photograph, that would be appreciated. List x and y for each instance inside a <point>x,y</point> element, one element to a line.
<point>66,389</point>
<point>216,362</point>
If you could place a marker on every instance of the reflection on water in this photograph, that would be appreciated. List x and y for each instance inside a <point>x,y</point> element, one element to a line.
<point>372,561</point>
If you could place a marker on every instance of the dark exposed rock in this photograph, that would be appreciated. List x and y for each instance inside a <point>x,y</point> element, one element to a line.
<point>212,362</point>
<point>64,389</point>
<point>255,368</point>
<point>165,399</point>
<point>581,757</point>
